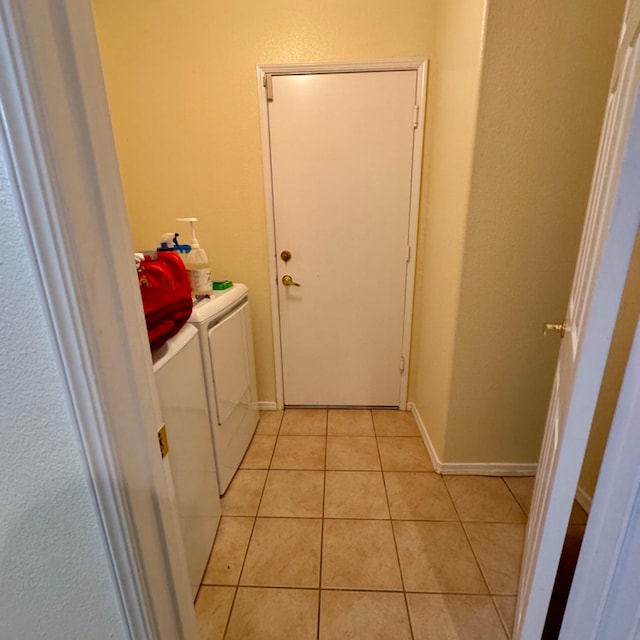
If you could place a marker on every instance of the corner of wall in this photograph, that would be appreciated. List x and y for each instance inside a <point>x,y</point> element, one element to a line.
<point>452,109</point>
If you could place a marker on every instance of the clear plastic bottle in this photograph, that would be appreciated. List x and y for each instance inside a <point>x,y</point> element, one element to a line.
<point>197,263</point>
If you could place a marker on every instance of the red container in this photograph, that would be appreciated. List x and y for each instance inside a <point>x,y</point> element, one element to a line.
<point>166,295</point>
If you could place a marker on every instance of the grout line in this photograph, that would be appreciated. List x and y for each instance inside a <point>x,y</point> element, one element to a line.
<point>369,590</point>
<point>502,620</point>
<point>246,553</point>
<point>482,573</point>
<point>515,497</point>
<point>344,435</point>
<point>393,535</point>
<point>324,493</point>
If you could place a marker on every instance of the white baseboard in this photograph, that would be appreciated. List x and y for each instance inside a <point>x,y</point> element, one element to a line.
<point>267,405</point>
<point>584,499</point>
<point>469,468</point>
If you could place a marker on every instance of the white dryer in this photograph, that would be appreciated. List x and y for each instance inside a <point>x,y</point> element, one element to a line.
<point>224,326</point>
<point>177,367</point>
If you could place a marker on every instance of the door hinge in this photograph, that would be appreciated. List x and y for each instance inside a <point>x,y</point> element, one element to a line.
<point>416,113</point>
<point>267,81</point>
<point>401,364</point>
<point>408,252</point>
<point>163,441</point>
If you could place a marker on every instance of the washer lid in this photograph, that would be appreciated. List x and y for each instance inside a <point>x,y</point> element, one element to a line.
<point>219,302</point>
<point>173,345</point>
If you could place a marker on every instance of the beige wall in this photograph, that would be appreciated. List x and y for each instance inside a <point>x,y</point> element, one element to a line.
<point>544,83</point>
<point>501,208</point>
<point>628,317</point>
<point>181,81</point>
<point>451,120</point>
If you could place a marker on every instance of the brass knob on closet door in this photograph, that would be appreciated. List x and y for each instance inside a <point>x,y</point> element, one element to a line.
<point>554,327</point>
<point>287,281</point>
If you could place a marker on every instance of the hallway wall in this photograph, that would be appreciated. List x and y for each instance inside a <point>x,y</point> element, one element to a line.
<point>56,578</point>
<point>501,206</point>
<point>183,98</point>
<point>545,79</point>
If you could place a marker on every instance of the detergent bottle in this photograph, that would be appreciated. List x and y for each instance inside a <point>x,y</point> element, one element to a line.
<point>197,264</point>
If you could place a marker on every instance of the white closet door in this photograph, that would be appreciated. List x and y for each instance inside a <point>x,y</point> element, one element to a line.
<point>342,148</point>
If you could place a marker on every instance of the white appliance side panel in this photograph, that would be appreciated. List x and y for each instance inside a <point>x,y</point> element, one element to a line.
<point>232,392</point>
<point>183,404</point>
<point>229,356</point>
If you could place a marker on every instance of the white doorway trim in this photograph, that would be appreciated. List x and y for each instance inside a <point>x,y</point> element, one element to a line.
<point>55,137</point>
<point>264,71</point>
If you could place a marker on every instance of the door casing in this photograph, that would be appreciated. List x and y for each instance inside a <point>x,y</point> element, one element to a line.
<point>264,72</point>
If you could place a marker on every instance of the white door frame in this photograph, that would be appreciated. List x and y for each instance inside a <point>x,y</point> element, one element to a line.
<point>55,136</point>
<point>264,73</point>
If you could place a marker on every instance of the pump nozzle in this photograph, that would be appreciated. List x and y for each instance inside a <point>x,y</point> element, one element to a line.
<point>166,242</point>
<point>192,221</point>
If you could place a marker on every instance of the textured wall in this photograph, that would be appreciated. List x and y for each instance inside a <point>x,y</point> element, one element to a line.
<point>454,85</point>
<point>544,83</point>
<point>183,97</point>
<point>54,577</point>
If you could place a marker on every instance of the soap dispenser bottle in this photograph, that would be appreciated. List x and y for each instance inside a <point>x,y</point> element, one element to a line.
<point>197,264</point>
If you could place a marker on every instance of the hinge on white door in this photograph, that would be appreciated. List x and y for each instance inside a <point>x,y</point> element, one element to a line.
<point>408,252</point>
<point>267,81</point>
<point>163,441</point>
<point>416,112</point>
<point>401,364</point>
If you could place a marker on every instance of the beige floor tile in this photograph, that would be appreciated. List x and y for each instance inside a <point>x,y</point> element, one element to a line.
<point>363,615</point>
<point>350,422</point>
<point>359,554</point>
<point>299,452</point>
<point>274,614</point>
<point>228,552</point>
<point>418,496</point>
<point>212,611</point>
<point>483,499</point>
<point>391,422</point>
<point>258,455</point>
<point>355,494</point>
<point>283,552</point>
<point>522,489</point>
<point>293,494</point>
<point>452,617</point>
<point>507,609</point>
<point>269,423</point>
<point>498,548</point>
<point>436,557</point>
<point>404,454</point>
<point>243,495</point>
<point>304,422</point>
<point>352,453</point>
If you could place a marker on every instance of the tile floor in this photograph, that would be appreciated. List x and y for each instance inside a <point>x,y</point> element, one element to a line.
<point>336,527</point>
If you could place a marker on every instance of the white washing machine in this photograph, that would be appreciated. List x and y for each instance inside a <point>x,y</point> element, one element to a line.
<point>224,326</point>
<point>177,367</point>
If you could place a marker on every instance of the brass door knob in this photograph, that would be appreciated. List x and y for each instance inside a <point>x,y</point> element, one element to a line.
<point>287,281</point>
<point>554,327</point>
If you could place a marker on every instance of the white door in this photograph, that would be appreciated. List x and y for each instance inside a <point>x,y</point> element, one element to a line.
<point>342,150</point>
<point>610,228</point>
